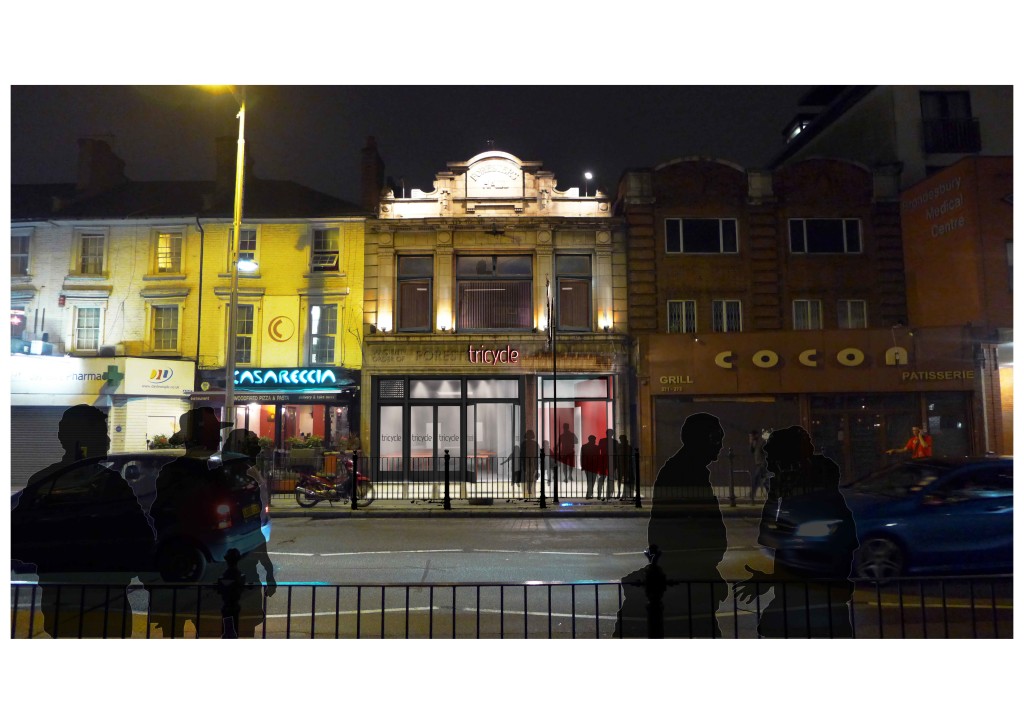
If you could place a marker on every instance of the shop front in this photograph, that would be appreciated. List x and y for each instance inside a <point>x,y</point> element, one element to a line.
<point>857,392</point>
<point>295,406</point>
<point>143,398</point>
<point>479,401</point>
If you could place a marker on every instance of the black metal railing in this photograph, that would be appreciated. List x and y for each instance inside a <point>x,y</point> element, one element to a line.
<point>945,608</point>
<point>951,135</point>
<point>494,478</point>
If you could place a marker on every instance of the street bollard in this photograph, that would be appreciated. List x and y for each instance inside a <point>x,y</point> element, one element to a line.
<point>355,477</point>
<point>636,477</point>
<point>655,586</point>
<point>732,481</point>
<point>447,481</point>
<point>543,502</point>
<point>230,587</point>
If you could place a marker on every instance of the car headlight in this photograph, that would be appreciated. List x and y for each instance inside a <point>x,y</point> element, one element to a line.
<point>817,528</point>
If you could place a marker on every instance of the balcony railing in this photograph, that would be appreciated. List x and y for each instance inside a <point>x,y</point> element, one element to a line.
<point>951,135</point>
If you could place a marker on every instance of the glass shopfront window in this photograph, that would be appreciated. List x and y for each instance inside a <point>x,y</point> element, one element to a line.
<point>478,421</point>
<point>582,407</point>
<point>433,389</point>
<point>856,430</point>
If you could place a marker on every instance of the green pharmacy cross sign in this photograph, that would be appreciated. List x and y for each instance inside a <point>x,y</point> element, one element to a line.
<point>114,376</point>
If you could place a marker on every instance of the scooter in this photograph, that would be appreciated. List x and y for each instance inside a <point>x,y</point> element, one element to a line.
<point>311,489</point>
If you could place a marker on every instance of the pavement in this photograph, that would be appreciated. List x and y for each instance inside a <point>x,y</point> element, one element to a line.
<point>284,506</point>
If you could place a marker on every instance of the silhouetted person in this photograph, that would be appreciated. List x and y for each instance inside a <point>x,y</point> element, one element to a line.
<point>590,461</point>
<point>688,531</point>
<point>552,463</point>
<point>624,467</point>
<point>567,449</point>
<point>531,456</point>
<point>804,488</point>
<point>252,612</point>
<point>606,466</point>
<point>187,496</point>
<point>79,521</point>
<point>515,463</point>
<point>759,473</point>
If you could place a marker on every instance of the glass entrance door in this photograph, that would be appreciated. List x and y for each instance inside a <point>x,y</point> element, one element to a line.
<point>493,433</point>
<point>432,430</point>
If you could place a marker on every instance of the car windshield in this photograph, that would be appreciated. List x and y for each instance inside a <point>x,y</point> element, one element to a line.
<point>897,481</point>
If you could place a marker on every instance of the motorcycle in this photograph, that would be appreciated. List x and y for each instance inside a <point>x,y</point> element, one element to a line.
<point>311,489</point>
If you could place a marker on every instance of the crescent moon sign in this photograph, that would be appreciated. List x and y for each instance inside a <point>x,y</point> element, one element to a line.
<point>281,329</point>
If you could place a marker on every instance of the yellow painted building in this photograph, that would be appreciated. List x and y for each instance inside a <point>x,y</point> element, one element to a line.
<point>299,331</point>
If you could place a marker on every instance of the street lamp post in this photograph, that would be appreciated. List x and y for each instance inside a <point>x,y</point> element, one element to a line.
<point>229,383</point>
<point>586,183</point>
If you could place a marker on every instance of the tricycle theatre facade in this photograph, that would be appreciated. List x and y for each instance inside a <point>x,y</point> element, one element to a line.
<point>479,295</point>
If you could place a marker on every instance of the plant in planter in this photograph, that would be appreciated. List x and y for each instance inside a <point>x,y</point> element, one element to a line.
<point>161,442</point>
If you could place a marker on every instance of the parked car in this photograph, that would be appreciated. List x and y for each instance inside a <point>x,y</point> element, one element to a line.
<point>922,516</point>
<point>194,524</point>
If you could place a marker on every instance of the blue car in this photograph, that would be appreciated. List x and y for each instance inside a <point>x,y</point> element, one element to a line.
<point>917,517</point>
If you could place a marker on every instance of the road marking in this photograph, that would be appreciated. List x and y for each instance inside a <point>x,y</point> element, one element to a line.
<point>493,550</point>
<point>385,553</point>
<point>284,553</point>
<point>565,553</point>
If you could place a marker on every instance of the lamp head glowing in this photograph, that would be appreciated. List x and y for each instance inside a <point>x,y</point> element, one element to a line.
<point>247,266</point>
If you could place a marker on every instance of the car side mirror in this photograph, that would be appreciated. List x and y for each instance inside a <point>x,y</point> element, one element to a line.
<point>132,473</point>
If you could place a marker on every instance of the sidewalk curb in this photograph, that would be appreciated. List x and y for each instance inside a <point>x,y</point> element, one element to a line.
<point>435,511</point>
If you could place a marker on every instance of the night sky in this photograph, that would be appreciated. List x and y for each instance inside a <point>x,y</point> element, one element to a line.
<point>313,135</point>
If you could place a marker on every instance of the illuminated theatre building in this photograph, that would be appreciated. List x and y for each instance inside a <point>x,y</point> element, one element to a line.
<point>778,298</point>
<point>461,354</point>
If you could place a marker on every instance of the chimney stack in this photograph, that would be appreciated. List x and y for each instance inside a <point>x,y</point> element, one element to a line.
<point>99,169</point>
<point>372,175</point>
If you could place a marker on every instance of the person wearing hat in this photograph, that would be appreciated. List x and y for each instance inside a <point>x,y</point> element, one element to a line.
<point>199,430</point>
<point>183,490</point>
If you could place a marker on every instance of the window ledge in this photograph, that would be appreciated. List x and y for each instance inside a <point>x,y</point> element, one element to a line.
<point>164,277</point>
<point>85,278</point>
<point>323,274</point>
<point>241,275</point>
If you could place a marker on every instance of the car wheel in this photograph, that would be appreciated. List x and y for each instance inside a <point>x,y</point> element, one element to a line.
<point>879,560</point>
<point>179,561</point>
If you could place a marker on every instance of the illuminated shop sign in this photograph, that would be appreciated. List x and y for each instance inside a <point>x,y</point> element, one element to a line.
<point>294,377</point>
<point>487,356</point>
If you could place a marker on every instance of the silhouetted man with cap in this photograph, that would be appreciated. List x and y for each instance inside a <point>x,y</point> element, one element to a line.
<point>687,530</point>
<point>185,500</point>
<point>80,522</point>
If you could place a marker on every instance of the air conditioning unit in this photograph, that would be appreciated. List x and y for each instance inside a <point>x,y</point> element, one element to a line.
<point>106,350</point>
<point>38,346</point>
